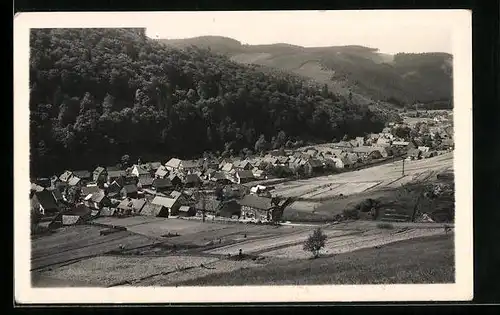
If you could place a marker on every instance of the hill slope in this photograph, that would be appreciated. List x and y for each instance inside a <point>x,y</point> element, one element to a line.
<point>97,94</point>
<point>368,74</point>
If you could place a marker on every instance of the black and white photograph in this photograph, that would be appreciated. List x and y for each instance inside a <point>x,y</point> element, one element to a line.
<point>238,156</point>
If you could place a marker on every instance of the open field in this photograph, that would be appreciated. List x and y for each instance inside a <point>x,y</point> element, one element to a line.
<point>111,270</point>
<point>422,260</point>
<point>151,265</point>
<point>262,245</point>
<point>77,242</point>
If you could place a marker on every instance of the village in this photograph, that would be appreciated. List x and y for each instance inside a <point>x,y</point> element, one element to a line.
<point>237,188</point>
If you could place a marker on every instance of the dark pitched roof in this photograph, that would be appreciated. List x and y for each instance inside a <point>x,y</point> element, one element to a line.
<point>154,165</point>
<point>66,176</point>
<point>244,174</point>
<point>82,174</point>
<point>130,188</point>
<point>90,190</point>
<point>78,210</point>
<point>98,196</point>
<point>35,187</point>
<point>173,163</point>
<point>192,178</point>
<point>143,169</point>
<point>146,181</point>
<point>74,181</point>
<point>256,202</point>
<point>57,194</point>
<point>161,171</point>
<point>162,183</point>
<point>107,212</point>
<point>114,187</point>
<point>135,205</point>
<point>211,204</point>
<point>315,163</point>
<point>46,199</point>
<point>151,209</point>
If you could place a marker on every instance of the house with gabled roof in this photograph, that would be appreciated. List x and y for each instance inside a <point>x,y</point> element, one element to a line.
<point>191,166</point>
<point>154,210</point>
<point>312,165</point>
<point>244,176</point>
<point>192,180</point>
<point>256,207</point>
<point>79,214</point>
<point>87,190</point>
<point>154,166</point>
<point>45,202</point>
<point>242,165</point>
<point>227,167</point>
<point>162,184</point>
<point>97,200</point>
<point>172,205</point>
<point>175,179</point>
<point>145,182</point>
<point>114,189</point>
<point>142,170</point>
<point>336,162</point>
<point>116,176</point>
<point>382,142</point>
<point>100,174</point>
<point>220,177</point>
<point>129,191</point>
<point>74,181</point>
<point>161,172</point>
<point>84,175</point>
<point>173,164</point>
<point>130,206</point>
<point>66,176</point>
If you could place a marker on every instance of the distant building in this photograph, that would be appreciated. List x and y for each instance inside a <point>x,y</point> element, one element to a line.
<point>155,210</point>
<point>173,164</point>
<point>172,205</point>
<point>44,202</point>
<point>244,176</point>
<point>129,191</point>
<point>97,200</point>
<point>256,207</point>
<point>100,174</point>
<point>161,172</point>
<point>162,184</point>
<point>85,176</point>
<point>130,206</point>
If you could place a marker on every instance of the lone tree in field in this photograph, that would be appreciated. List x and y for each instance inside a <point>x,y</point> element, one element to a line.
<point>315,242</point>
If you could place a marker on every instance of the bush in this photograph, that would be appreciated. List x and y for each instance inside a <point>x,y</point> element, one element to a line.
<point>315,242</point>
<point>351,214</point>
<point>385,225</point>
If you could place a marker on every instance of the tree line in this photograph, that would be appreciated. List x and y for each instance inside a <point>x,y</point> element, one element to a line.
<point>97,94</point>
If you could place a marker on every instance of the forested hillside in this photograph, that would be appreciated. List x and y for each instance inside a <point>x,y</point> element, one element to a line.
<point>403,79</point>
<point>97,94</point>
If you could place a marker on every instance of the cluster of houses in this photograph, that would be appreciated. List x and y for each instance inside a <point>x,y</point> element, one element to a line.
<point>176,188</point>
<point>173,188</point>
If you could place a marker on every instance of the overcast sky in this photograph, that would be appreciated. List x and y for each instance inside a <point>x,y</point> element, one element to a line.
<point>390,31</point>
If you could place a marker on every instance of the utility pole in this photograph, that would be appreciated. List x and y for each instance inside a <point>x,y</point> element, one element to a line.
<point>403,170</point>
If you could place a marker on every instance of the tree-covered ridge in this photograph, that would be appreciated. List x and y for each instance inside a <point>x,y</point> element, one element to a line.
<point>97,94</point>
<point>402,79</point>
